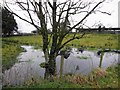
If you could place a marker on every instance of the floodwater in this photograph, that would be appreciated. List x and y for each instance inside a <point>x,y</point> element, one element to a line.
<point>28,65</point>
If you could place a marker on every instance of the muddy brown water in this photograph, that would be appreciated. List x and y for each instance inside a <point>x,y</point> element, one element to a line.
<point>28,63</point>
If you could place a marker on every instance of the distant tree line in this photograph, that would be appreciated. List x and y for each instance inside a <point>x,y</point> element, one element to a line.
<point>9,25</point>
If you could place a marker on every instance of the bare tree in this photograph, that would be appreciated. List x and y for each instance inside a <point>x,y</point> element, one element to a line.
<point>58,16</point>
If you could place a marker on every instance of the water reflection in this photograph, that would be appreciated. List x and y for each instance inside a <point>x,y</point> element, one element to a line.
<point>28,63</point>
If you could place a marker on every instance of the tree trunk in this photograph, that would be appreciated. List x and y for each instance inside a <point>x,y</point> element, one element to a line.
<point>46,52</point>
<point>50,67</point>
<point>52,64</point>
<point>46,66</point>
<point>52,56</point>
<point>46,73</point>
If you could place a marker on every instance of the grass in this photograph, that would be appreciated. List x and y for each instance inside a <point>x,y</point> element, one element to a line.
<point>99,78</point>
<point>95,41</point>
<point>25,40</point>
<point>111,78</point>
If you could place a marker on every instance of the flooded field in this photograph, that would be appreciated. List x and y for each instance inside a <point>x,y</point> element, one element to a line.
<point>28,65</point>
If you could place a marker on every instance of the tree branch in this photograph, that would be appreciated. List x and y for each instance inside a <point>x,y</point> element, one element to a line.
<point>71,40</point>
<point>50,4</point>
<point>108,13</point>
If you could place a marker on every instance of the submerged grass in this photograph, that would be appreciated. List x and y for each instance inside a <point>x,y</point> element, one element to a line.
<point>83,57</point>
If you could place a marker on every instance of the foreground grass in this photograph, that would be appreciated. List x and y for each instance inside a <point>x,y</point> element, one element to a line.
<point>99,78</point>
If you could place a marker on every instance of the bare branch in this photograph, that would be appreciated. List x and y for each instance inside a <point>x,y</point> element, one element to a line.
<point>58,5</point>
<point>74,37</point>
<point>50,4</point>
<point>108,13</point>
<point>62,11</point>
<point>20,5</point>
<point>49,16</point>
<point>29,13</point>
<point>26,20</point>
<point>32,23</point>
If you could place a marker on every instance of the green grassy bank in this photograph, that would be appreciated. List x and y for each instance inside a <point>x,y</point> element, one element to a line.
<point>9,53</point>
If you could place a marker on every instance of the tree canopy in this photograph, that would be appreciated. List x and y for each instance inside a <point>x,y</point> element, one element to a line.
<point>9,24</point>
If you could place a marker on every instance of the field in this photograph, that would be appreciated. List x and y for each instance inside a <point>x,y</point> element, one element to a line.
<point>11,49</point>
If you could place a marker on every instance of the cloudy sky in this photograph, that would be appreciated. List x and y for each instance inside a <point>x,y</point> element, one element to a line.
<point>106,20</point>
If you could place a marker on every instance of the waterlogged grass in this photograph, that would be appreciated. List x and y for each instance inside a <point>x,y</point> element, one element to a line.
<point>11,45</point>
<point>99,78</point>
<point>11,48</point>
<point>9,53</point>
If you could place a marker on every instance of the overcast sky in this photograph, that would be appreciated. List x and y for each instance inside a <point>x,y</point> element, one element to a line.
<point>108,21</point>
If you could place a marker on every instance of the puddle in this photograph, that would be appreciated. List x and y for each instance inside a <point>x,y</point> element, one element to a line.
<point>28,63</point>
